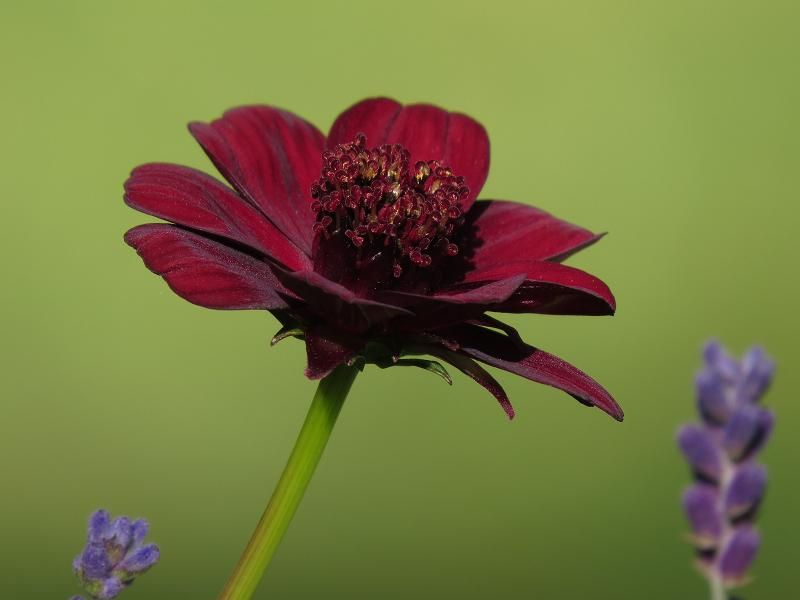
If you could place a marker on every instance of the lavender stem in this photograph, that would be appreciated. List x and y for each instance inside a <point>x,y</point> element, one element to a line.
<point>717,588</point>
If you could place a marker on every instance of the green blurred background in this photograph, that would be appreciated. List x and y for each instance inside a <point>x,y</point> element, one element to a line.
<point>672,125</point>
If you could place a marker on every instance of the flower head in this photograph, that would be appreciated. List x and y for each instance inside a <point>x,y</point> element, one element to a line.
<point>721,450</point>
<point>368,243</point>
<point>115,554</point>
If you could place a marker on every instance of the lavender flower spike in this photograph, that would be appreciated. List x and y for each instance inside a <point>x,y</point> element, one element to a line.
<point>115,554</point>
<point>721,450</point>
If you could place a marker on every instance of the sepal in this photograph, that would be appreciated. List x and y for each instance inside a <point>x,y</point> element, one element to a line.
<point>287,331</point>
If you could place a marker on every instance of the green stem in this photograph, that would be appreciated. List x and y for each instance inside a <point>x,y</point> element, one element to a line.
<point>296,476</point>
<point>717,588</point>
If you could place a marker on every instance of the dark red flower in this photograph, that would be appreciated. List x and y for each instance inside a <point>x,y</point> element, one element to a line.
<point>368,243</point>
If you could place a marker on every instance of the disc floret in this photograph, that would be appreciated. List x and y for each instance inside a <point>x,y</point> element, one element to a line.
<point>380,202</point>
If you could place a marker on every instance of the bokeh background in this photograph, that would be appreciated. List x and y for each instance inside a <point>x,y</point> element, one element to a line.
<point>672,125</point>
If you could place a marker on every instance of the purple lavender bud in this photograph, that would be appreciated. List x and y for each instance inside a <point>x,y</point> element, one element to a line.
<point>98,524</point>
<point>699,449</point>
<point>117,538</point>
<point>94,561</point>
<point>712,402</point>
<point>701,504</point>
<point>721,451</point>
<point>139,530</point>
<point>746,430</point>
<point>767,424</point>
<point>745,491</point>
<point>738,554</point>
<point>719,361</point>
<point>139,561</point>
<point>757,371</point>
<point>114,555</point>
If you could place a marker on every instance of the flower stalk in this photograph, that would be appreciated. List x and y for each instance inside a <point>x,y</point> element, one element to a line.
<point>308,449</point>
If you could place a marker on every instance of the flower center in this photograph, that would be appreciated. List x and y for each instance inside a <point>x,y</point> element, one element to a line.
<point>380,202</point>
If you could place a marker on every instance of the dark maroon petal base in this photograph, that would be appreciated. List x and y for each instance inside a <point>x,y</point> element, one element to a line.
<point>326,351</point>
<point>338,305</point>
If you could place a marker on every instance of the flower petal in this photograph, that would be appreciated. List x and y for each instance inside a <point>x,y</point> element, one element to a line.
<point>483,295</point>
<point>510,231</point>
<point>487,294</point>
<point>336,303</point>
<point>492,323</point>
<point>428,132</point>
<point>191,198</point>
<point>204,271</point>
<point>505,353</point>
<point>271,157</point>
<point>473,370</point>
<point>549,288</point>
<point>325,352</point>
<point>451,306</point>
<point>373,117</point>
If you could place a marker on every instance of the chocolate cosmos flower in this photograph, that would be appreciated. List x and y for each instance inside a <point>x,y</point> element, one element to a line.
<point>369,243</point>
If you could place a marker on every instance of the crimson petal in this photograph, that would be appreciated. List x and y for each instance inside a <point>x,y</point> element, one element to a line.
<point>428,132</point>
<point>473,370</point>
<point>325,352</point>
<point>492,323</point>
<point>373,117</point>
<point>271,157</point>
<point>206,272</point>
<point>485,294</point>
<point>338,304</point>
<point>550,288</point>
<point>453,305</point>
<point>503,352</point>
<point>189,197</point>
<point>509,231</point>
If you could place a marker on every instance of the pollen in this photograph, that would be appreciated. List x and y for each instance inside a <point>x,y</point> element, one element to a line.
<point>381,202</point>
